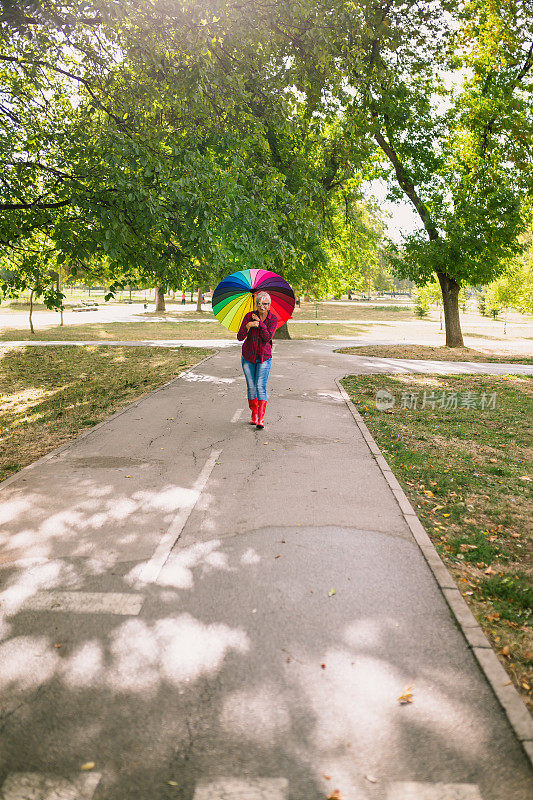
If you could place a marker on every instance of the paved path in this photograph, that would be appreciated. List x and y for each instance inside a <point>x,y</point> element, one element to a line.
<point>362,364</point>
<point>168,612</point>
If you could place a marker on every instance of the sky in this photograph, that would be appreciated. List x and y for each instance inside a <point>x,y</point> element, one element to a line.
<point>403,218</point>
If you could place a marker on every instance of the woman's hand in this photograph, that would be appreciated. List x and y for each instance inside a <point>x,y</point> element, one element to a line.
<point>252,324</point>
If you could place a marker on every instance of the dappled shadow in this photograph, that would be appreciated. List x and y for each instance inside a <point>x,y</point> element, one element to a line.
<point>242,661</point>
<point>240,665</point>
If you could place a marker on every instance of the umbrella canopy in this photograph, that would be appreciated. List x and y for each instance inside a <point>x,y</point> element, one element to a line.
<point>234,296</point>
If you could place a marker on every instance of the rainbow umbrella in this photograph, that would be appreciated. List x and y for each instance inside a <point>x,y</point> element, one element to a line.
<point>234,296</point>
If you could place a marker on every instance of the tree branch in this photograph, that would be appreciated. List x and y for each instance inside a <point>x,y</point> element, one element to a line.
<point>526,66</point>
<point>35,204</point>
<point>407,186</point>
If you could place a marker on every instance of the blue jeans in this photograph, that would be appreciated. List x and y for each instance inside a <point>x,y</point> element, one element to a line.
<point>256,377</point>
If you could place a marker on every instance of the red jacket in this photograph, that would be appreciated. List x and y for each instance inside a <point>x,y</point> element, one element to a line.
<point>257,341</point>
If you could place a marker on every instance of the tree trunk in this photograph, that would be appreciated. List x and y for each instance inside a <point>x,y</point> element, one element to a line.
<point>159,299</point>
<point>199,299</point>
<point>59,289</point>
<point>282,332</point>
<point>450,301</point>
<point>31,311</point>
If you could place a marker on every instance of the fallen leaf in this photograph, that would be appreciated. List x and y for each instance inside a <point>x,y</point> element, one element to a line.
<point>505,651</point>
<point>525,478</point>
<point>331,592</point>
<point>445,515</point>
<point>327,777</point>
<point>428,493</point>
<point>490,571</point>
<point>526,686</point>
<point>371,778</point>
<point>323,666</point>
<point>335,795</point>
<point>493,460</point>
<point>406,696</point>
<point>172,783</point>
<point>254,610</point>
<point>278,556</point>
<point>88,765</point>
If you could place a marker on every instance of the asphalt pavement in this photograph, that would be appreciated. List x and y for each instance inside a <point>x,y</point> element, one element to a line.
<point>195,609</point>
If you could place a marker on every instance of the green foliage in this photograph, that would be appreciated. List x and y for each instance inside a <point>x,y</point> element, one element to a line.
<point>355,244</point>
<point>162,143</point>
<point>513,289</point>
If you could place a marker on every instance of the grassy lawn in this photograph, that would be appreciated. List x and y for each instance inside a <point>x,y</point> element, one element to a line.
<point>468,473</point>
<point>171,329</point>
<point>419,351</point>
<point>49,394</point>
<point>122,331</point>
<point>345,311</point>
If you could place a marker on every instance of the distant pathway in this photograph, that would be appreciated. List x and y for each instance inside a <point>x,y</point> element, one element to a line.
<point>361,364</point>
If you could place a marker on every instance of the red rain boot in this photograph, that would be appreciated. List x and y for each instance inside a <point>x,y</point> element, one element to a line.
<point>261,404</point>
<point>252,405</point>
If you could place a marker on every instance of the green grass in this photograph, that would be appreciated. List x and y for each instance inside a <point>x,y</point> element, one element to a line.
<point>469,475</point>
<point>122,331</point>
<point>172,328</point>
<point>49,394</point>
<point>433,353</point>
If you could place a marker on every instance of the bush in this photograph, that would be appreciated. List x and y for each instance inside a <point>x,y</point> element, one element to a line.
<point>486,307</point>
<point>421,309</point>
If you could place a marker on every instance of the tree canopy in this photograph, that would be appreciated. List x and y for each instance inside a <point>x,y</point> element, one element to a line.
<point>174,141</point>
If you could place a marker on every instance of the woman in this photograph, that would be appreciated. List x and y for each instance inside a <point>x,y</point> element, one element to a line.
<point>257,329</point>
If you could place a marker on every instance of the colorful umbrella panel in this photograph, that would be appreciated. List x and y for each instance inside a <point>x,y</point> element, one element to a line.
<point>234,296</point>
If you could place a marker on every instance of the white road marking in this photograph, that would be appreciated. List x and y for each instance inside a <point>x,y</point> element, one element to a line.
<point>235,789</point>
<point>86,602</point>
<point>150,571</point>
<point>433,791</point>
<point>36,786</point>
<point>237,414</point>
<point>196,377</point>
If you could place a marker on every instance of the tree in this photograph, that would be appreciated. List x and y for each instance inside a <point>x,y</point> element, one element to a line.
<point>162,164</point>
<point>355,243</point>
<point>461,155</point>
<point>32,270</point>
<point>514,289</point>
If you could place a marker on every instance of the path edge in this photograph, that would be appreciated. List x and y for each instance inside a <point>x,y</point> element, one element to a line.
<point>89,431</point>
<point>515,709</point>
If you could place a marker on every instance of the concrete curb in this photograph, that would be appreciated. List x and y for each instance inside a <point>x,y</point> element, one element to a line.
<point>511,702</point>
<point>90,431</point>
